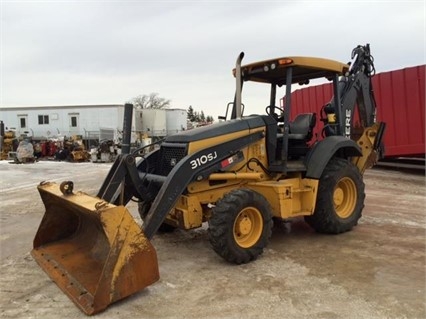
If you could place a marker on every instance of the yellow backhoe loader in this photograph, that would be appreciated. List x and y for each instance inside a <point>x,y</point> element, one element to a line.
<point>236,175</point>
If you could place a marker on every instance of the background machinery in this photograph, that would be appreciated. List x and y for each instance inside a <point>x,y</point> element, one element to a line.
<point>236,175</point>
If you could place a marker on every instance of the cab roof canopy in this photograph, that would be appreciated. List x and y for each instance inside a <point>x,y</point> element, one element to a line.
<point>304,68</point>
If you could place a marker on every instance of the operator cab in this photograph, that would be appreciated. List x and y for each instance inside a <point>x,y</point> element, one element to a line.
<point>287,71</point>
<point>292,138</point>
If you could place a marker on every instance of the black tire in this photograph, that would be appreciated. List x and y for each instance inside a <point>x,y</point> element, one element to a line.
<point>240,226</point>
<point>340,198</point>
<point>143,209</point>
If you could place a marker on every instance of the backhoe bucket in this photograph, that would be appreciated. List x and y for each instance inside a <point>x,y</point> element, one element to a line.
<point>94,251</point>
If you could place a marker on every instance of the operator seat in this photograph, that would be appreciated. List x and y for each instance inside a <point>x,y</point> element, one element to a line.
<point>300,133</point>
<point>301,129</point>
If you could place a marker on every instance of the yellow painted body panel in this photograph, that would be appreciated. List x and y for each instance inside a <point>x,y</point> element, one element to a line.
<point>202,144</point>
<point>289,197</point>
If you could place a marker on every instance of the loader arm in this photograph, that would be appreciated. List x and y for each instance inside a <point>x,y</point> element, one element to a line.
<point>124,180</point>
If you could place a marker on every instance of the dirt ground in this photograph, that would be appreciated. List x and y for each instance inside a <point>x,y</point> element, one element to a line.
<point>375,271</point>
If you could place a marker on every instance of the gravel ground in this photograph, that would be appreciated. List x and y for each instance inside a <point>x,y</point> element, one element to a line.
<point>375,271</point>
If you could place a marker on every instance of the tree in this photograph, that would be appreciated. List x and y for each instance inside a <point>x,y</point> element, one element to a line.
<point>194,116</point>
<point>190,113</point>
<point>152,101</point>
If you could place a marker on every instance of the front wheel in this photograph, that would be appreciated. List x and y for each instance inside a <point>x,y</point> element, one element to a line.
<point>340,198</point>
<point>240,226</point>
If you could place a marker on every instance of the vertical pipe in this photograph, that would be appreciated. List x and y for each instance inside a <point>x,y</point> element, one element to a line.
<point>239,86</point>
<point>127,128</point>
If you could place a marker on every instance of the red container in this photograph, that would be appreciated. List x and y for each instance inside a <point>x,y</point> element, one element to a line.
<point>400,97</point>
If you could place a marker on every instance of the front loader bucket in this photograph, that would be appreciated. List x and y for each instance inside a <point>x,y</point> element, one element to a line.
<point>94,251</point>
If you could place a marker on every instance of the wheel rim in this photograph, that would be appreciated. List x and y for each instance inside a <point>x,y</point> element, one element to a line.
<point>248,227</point>
<point>344,197</point>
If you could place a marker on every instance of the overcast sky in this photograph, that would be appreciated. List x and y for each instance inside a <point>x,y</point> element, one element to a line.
<point>107,52</point>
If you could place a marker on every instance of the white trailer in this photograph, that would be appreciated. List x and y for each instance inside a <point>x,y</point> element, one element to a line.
<point>44,122</point>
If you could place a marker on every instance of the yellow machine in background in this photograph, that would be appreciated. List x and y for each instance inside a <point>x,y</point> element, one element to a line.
<point>77,150</point>
<point>8,143</point>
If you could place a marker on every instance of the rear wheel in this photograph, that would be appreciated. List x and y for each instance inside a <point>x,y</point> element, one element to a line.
<point>340,198</point>
<point>240,226</point>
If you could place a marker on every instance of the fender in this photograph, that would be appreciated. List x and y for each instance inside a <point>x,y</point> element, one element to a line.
<point>324,150</point>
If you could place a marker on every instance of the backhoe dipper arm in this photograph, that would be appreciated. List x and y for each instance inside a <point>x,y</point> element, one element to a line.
<point>355,88</point>
<point>186,172</point>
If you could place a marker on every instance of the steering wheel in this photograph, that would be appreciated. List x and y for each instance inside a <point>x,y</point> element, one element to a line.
<point>275,116</point>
